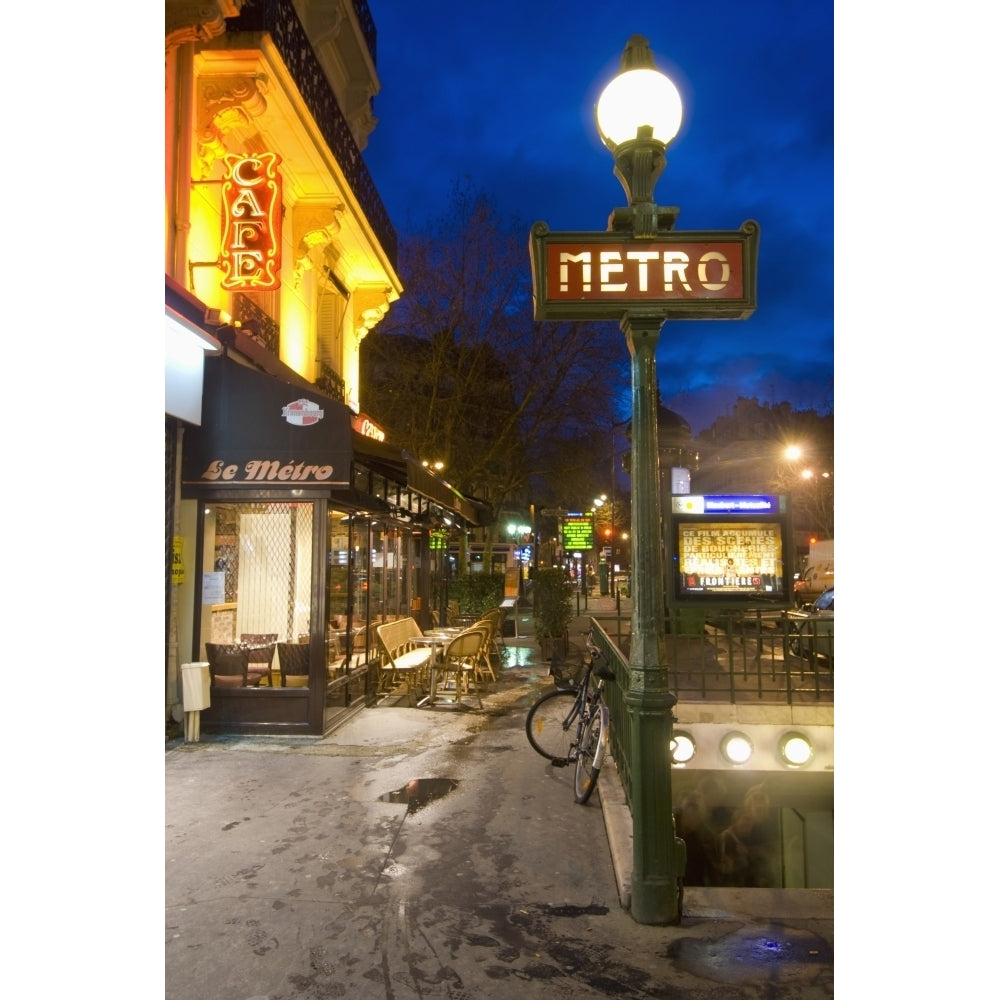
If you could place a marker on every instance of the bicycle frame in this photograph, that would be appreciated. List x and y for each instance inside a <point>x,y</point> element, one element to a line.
<point>588,718</point>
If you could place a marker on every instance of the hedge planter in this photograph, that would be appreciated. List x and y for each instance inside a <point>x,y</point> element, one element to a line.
<point>553,599</point>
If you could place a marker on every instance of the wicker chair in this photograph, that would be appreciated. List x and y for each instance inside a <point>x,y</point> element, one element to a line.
<point>461,661</point>
<point>491,623</point>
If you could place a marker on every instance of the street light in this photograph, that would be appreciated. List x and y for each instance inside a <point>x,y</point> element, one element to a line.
<point>640,273</point>
<point>638,114</point>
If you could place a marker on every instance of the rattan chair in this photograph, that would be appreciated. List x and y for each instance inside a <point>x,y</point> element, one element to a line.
<point>461,664</point>
<point>490,622</point>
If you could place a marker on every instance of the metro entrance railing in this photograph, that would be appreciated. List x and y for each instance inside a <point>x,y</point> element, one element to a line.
<point>738,657</point>
<point>725,658</point>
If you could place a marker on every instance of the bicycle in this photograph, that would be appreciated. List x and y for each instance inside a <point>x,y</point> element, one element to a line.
<point>570,724</point>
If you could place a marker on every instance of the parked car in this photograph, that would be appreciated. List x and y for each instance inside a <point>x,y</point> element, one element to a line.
<point>814,580</point>
<point>810,629</point>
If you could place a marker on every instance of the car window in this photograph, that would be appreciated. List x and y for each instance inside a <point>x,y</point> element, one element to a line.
<point>825,601</point>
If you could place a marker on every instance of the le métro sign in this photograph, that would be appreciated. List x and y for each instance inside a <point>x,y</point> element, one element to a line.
<point>687,275</point>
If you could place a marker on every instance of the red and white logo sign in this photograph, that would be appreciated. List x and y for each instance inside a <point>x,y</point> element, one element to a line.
<point>302,413</point>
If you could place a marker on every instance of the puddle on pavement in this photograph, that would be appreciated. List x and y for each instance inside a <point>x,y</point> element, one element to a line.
<point>420,791</point>
<point>517,656</point>
<point>752,954</point>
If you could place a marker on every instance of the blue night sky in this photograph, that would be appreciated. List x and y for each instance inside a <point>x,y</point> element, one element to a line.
<point>507,102</point>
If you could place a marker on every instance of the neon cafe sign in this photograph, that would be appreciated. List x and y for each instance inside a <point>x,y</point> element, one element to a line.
<point>251,222</point>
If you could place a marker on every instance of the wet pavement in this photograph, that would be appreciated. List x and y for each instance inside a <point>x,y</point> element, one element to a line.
<point>431,853</point>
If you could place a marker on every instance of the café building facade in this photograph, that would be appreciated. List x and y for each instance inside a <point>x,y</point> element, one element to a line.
<point>303,528</point>
<point>290,519</point>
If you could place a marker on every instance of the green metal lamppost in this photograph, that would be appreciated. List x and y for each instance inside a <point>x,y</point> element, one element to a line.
<point>640,273</point>
<point>638,114</point>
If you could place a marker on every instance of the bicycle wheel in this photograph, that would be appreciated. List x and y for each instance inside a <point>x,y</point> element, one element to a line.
<point>591,754</point>
<point>551,724</point>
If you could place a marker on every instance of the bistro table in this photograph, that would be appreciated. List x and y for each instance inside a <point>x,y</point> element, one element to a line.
<point>436,638</point>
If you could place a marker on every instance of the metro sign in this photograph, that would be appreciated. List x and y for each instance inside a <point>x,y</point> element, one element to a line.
<point>690,275</point>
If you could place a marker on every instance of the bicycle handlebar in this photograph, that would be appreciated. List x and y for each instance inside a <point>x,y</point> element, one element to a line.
<point>603,671</point>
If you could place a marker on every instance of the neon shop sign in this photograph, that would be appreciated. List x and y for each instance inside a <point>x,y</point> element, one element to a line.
<point>251,222</point>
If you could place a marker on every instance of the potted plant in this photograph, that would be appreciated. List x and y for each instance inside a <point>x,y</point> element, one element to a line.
<point>553,600</point>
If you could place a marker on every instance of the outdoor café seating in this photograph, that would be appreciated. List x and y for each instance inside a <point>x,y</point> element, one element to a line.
<point>402,660</point>
<point>460,666</point>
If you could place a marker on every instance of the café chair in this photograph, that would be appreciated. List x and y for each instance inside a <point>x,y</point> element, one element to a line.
<point>490,649</point>
<point>227,663</point>
<point>460,662</point>
<point>260,653</point>
<point>293,662</point>
<point>359,646</point>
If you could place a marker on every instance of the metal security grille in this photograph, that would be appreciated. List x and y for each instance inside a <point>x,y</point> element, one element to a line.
<point>262,569</point>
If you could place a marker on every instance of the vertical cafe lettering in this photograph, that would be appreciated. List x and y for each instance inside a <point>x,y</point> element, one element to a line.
<point>251,220</point>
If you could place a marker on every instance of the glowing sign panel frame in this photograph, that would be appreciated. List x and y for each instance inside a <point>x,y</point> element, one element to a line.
<point>685,275</point>
<point>251,222</point>
<point>578,532</point>
<point>730,550</point>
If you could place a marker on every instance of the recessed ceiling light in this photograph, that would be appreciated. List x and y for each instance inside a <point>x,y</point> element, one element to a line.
<point>682,748</point>
<point>736,748</point>
<point>795,749</point>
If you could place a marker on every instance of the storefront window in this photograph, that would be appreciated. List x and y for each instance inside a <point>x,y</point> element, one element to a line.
<point>381,560</point>
<point>256,579</point>
<point>349,641</point>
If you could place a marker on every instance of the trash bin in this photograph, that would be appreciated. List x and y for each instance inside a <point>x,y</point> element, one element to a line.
<point>195,684</point>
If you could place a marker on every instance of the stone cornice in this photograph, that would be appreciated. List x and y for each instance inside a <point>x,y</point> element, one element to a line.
<point>191,21</point>
<point>226,102</point>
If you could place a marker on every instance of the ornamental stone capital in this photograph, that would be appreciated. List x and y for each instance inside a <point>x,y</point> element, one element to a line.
<point>191,21</point>
<point>225,103</point>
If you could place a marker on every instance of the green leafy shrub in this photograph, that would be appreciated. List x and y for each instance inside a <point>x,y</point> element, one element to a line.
<point>553,599</point>
<point>476,593</point>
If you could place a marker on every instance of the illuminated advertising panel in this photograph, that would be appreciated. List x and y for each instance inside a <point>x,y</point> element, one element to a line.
<point>578,532</point>
<point>722,552</point>
<point>737,557</point>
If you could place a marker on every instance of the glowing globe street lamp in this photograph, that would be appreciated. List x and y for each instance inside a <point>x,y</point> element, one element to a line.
<point>638,114</point>
<point>640,273</point>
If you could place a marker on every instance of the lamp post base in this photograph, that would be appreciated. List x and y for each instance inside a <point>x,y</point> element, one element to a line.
<point>658,854</point>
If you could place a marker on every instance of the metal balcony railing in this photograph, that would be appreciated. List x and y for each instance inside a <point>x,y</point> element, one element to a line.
<point>279,19</point>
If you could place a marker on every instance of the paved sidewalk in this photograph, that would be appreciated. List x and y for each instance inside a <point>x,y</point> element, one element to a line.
<point>431,853</point>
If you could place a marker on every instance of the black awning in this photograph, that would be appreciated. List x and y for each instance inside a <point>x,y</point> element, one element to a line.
<point>405,469</point>
<point>434,488</point>
<point>258,430</point>
<point>381,457</point>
